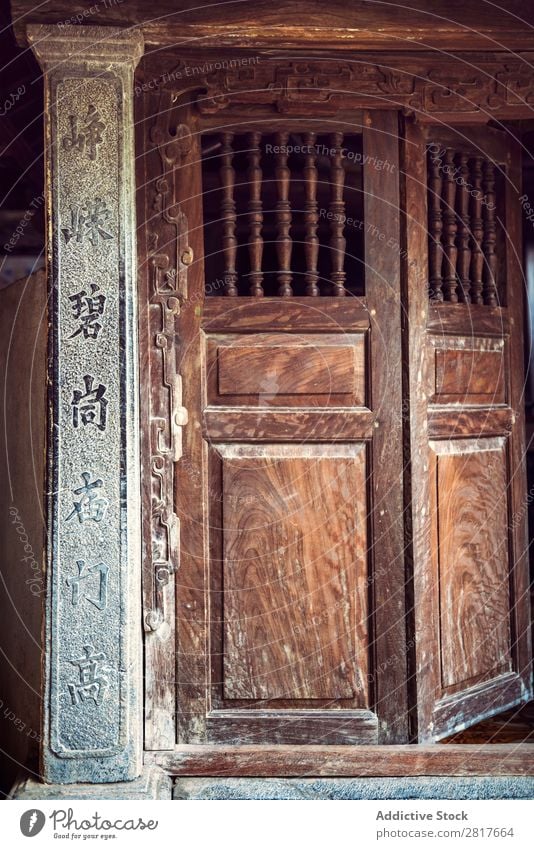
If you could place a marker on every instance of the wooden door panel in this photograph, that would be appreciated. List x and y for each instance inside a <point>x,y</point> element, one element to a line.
<point>285,370</point>
<point>464,347</point>
<point>471,560</point>
<point>295,572</point>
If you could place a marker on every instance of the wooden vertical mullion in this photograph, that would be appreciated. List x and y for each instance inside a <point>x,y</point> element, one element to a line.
<point>424,684</point>
<point>382,286</point>
<point>159,657</point>
<point>514,299</point>
<point>192,590</point>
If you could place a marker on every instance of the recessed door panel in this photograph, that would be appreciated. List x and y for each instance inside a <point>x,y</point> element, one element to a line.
<point>295,572</point>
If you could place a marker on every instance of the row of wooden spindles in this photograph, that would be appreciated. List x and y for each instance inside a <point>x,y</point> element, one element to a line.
<point>462,228</point>
<point>283,215</point>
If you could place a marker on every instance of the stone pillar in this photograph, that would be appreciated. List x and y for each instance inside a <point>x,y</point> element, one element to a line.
<point>92,690</point>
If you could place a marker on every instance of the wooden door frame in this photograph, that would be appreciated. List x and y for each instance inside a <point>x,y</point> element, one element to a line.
<point>169,311</point>
<point>379,128</point>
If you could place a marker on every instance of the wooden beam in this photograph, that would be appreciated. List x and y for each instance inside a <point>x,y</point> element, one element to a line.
<point>347,761</point>
<point>421,24</point>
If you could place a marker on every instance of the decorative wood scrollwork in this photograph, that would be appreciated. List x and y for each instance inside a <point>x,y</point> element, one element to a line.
<point>446,86</point>
<point>168,261</point>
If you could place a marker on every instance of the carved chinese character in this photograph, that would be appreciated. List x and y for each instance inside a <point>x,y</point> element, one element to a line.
<point>91,505</point>
<point>84,576</point>
<point>92,684</point>
<point>87,309</point>
<point>89,407</point>
<point>88,220</point>
<point>85,134</point>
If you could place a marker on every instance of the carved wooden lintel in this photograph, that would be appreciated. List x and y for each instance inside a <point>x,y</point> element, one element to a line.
<point>427,85</point>
<point>168,261</point>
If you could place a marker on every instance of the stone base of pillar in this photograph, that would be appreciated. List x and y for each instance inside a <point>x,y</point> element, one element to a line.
<point>152,784</point>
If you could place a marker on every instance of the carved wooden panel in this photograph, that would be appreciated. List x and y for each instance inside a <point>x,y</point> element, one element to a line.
<point>469,376</point>
<point>471,559</point>
<point>273,370</point>
<point>294,573</point>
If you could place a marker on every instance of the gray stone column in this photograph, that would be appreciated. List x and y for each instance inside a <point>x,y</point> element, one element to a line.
<point>92,687</point>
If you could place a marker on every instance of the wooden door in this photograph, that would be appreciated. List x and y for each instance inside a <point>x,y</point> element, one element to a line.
<point>464,346</point>
<point>287,623</point>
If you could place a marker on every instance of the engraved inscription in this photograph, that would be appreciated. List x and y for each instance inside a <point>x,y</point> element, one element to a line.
<point>91,505</point>
<point>85,134</point>
<point>84,582</point>
<point>90,407</point>
<point>88,310</point>
<point>88,221</point>
<point>93,683</point>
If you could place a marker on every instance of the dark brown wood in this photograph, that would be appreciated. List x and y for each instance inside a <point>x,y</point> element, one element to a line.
<point>465,481</point>
<point>382,285</point>
<point>519,577</point>
<point>450,227</point>
<point>469,375</point>
<point>462,319</point>
<point>416,380</point>
<point>338,242</point>
<point>294,573</point>
<point>344,727</point>
<point>246,315</point>
<point>161,239</point>
<point>490,236</point>
<point>435,258</point>
<point>311,217</point>
<point>255,215</point>
<point>312,426</point>
<point>321,370</point>
<point>228,215</point>
<point>469,482</point>
<point>477,231</point>
<point>283,217</point>
<point>443,423</point>
<point>349,761</point>
<point>428,26</point>
<point>464,250</point>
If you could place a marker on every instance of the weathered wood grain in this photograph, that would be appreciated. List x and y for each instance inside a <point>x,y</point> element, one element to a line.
<point>349,761</point>
<point>249,314</point>
<point>321,425</point>
<point>468,377</point>
<point>471,559</point>
<point>295,589</point>
<point>286,370</point>
<point>339,727</point>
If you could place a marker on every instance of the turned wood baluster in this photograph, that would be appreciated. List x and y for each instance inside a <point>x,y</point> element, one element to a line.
<point>337,224</point>
<point>477,232</point>
<point>490,235</point>
<point>255,213</point>
<point>228,215</point>
<point>464,250</point>
<point>311,217</point>
<point>436,229</point>
<point>450,228</point>
<point>283,217</point>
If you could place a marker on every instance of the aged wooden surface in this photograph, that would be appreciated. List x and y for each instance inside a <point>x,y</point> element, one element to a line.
<point>468,478</point>
<point>335,728</point>
<point>286,370</point>
<point>471,607</point>
<point>295,598</point>
<point>383,293</point>
<point>426,25</point>
<point>349,761</point>
<point>468,377</point>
